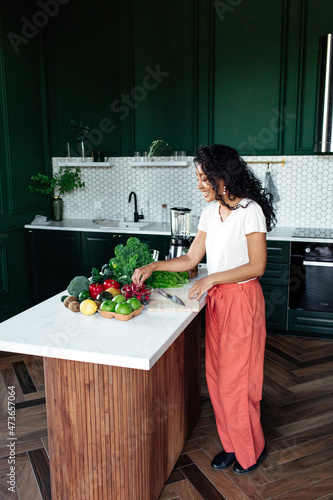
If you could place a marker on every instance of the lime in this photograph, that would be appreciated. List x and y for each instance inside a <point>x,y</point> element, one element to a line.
<point>84,295</point>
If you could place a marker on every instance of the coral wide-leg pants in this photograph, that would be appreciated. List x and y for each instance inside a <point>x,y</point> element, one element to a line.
<point>235,347</point>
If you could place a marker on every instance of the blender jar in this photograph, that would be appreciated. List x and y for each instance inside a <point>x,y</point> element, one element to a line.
<point>180,219</point>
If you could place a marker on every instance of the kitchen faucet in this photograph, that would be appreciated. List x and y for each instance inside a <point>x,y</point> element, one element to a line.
<point>137,216</point>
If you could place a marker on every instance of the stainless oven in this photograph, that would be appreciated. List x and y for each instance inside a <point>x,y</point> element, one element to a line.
<point>311,276</point>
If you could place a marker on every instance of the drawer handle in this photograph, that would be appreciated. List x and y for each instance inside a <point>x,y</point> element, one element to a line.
<point>316,263</point>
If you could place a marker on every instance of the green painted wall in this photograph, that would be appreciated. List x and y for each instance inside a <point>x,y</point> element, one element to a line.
<point>240,72</point>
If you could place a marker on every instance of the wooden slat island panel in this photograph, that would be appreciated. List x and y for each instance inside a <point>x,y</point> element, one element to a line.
<point>116,433</point>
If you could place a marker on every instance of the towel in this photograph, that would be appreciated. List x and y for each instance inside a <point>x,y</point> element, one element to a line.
<point>270,186</point>
<point>40,220</point>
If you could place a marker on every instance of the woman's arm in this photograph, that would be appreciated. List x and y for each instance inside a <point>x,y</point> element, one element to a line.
<point>183,263</point>
<point>257,250</point>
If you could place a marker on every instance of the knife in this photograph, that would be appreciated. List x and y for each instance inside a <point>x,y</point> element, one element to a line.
<point>174,298</point>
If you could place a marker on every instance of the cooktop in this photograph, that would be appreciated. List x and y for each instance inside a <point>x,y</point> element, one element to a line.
<point>313,232</point>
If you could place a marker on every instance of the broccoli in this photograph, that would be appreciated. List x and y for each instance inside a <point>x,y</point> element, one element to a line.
<point>128,257</point>
<point>77,285</point>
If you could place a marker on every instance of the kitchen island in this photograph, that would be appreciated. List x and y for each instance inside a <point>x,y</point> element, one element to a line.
<point>122,397</point>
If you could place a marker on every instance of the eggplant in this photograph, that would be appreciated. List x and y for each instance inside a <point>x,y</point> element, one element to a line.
<point>104,296</point>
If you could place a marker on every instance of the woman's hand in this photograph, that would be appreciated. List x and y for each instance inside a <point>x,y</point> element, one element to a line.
<point>142,273</point>
<point>200,287</point>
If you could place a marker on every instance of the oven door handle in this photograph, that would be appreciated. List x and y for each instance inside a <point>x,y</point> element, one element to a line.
<point>317,263</point>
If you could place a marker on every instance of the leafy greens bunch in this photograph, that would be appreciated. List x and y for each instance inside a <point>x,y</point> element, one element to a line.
<point>167,279</point>
<point>136,254</point>
<point>128,257</point>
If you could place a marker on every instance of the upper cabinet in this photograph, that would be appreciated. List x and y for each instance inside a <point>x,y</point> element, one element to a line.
<point>248,49</point>
<point>308,21</point>
<point>194,72</point>
<point>23,117</point>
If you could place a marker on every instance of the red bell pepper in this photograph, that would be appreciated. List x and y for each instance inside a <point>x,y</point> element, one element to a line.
<point>110,284</point>
<point>95,289</point>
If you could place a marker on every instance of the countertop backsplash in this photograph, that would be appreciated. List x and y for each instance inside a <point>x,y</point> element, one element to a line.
<point>304,186</point>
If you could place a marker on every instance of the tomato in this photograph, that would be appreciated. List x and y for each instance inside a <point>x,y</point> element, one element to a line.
<point>109,283</point>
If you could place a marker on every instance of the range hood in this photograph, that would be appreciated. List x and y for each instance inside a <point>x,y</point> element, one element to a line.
<point>324,110</point>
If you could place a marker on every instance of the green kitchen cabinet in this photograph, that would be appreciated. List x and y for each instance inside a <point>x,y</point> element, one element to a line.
<point>276,303</point>
<point>163,243</point>
<point>55,258</point>
<point>233,72</point>
<point>311,323</point>
<point>98,248</point>
<point>274,284</point>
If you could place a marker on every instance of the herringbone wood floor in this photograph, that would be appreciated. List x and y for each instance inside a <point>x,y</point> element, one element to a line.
<point>297,415</point>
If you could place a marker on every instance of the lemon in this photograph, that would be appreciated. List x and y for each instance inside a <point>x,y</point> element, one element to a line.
<point>88,307</point>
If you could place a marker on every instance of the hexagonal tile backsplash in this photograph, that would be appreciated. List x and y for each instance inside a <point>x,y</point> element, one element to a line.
<point>304,186</point>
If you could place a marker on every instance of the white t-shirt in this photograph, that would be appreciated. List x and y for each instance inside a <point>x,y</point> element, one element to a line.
<point>226,243</point>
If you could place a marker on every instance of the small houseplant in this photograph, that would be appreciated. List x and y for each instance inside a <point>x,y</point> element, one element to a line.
<point>64,181</point>
<point>81,132</point>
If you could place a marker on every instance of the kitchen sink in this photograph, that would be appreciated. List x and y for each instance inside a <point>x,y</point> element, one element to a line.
<point>135,226</point>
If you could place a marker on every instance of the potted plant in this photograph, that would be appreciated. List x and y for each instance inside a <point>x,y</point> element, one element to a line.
<point>81,132</point>
<point>64,181</point>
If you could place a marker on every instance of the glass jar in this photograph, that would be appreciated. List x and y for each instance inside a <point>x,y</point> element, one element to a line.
<point>164,214</point>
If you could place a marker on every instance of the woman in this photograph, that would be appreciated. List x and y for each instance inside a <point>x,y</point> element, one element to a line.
<point>232,233</point>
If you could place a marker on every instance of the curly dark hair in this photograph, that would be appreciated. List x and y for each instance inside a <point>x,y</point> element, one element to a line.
<point>223,162</point>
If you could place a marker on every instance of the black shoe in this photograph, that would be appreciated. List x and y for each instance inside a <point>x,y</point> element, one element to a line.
<point>223,460</point>
<point>239,469</point>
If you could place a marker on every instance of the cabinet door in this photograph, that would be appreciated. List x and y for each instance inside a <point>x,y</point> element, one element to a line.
<point>275,274</point>
<point>248,75</point>
<point>98,249</point>
<point>278,252</point>
<point>276,298</point>
<point>55,260</point>
<point>163,244</point>
<point>149,239</point>
<point>311,323</point>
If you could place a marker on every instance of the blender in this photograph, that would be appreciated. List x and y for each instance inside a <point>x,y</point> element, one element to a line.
<point>180,219</point>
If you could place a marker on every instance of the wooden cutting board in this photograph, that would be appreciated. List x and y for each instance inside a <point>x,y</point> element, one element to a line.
<point>158,303</point>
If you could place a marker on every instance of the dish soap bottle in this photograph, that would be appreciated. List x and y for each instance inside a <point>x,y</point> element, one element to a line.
<point>164,214</point>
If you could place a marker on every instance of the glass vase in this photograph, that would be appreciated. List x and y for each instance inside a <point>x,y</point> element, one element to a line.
<point>56,208</point>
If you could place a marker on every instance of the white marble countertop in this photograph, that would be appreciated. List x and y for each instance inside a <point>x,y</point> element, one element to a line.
<point>91,226</point>
<point>49,329</point>
<point>280,233</point>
